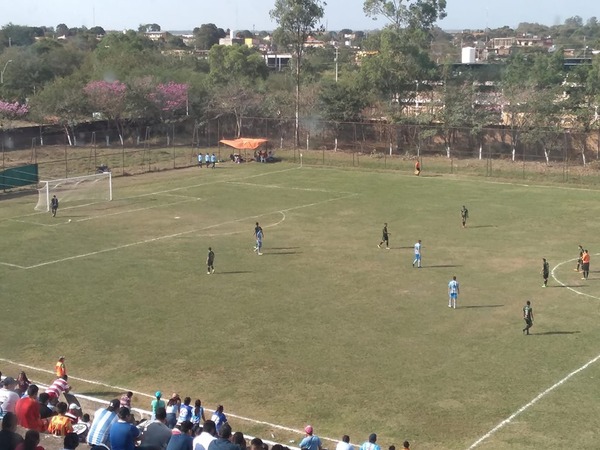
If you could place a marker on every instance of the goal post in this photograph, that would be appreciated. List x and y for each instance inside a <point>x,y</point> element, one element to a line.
<point>97,187</point>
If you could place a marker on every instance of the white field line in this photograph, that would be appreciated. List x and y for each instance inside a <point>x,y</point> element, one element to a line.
<point>16,266</point>
<point>143,394</point>
<point>275,186</point>
<point>523,408</point>
<point>532,402</point>
<point>183,233</point>
<point>37,224</point>
<point>102,216</point>
<point>569,287</point>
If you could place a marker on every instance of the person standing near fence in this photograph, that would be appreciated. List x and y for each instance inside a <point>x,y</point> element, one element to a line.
<point>417,168</point>
<point>54,205</point>
<point>200,159</point>
<point>213,160</point>
<point>207,159</point>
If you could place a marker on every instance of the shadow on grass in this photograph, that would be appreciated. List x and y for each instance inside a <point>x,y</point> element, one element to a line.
<point>392,248</point>
<point>481,306</point>
<point>281,253</point>
<point>569,286</point>
<point>283,248</point>
<point>481,226</point>
<point>441,266</point>
<point>232,272</point>
<point>113,394</point>
<point>548,333</point>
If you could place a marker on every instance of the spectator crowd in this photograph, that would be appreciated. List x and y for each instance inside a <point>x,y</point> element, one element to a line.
<point>174,424</point>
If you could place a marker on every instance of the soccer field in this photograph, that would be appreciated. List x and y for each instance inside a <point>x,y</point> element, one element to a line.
<point>323,328</point>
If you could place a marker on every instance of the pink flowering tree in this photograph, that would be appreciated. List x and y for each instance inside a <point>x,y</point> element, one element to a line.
<point>109,98</point>
<point>14,110</point>
<point>169,98</point>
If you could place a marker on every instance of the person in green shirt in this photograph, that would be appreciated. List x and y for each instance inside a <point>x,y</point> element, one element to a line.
<point>545,272</point>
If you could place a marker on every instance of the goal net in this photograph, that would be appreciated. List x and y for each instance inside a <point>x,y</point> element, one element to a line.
<point>96,187</point>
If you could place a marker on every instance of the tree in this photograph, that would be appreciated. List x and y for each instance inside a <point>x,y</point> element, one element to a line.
<point>237,99</point>
<point>208,35</point>
<point>149,27</point>
<point>296,20</point>
<point>62,29</point>
<point>236,62</point>
<point>169,98</point>
<point>412,13</point>
<point>108,98</point>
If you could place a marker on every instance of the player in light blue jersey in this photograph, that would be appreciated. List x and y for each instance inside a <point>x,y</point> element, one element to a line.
<point>259,234</point>
<point>453,291</point>
<point>207,160</point>
<point>417,259</point>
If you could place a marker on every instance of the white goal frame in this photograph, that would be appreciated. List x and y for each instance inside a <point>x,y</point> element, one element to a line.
<point>50,187</point>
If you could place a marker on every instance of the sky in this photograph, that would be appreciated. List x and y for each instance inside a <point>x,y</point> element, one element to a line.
<point>174,15</point>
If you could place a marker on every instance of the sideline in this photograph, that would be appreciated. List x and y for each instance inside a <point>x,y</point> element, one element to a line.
<point>523,408</point>
<point>99,383</point>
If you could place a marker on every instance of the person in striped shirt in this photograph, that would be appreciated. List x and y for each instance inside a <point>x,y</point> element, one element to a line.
<point>417,259</point>
<point>453,291</point>
<point>99,433</point>
<point>59,386</point>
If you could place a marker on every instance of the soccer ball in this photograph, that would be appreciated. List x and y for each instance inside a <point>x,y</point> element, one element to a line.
<point>69,221</point>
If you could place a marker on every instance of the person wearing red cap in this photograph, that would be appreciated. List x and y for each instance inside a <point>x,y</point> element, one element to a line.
<point>310,441</point>
<point>60,368</point>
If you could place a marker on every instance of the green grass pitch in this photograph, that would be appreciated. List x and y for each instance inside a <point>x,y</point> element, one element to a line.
<point>324,328</point>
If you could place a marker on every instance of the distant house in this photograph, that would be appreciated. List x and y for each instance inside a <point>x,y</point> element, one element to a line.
<point>156,35</point>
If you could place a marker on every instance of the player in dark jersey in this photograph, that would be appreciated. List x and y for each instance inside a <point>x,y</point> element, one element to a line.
<point>385,237</point>
<point>545,272</point>
<point>579,258</point>
<point>210,260</point>
<point>54,205</point>
<point>464,215</point>
<point>528,317</point>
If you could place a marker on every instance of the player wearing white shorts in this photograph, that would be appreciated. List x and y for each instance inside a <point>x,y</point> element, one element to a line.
<point>453,291</point>
<point>417,259</point>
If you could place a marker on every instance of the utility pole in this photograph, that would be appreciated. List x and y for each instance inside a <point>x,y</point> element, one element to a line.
<point>3,70</point>
<point>336,62</point>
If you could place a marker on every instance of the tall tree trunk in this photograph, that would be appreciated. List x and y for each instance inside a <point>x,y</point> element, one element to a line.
<point>480,150</point>
<point>547,155</point>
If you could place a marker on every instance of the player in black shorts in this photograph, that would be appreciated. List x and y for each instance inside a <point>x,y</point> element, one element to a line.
<point>528,317</point>
<point>385,237</point>
<point>464,215</point>
<point>545,272</point>
<point>54,205</point>
<point>210,260</point>
<point>579,260</point>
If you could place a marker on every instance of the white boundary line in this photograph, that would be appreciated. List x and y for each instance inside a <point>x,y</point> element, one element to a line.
<point>523,408</point>
<point>182,233</point>
<point>143,394</point>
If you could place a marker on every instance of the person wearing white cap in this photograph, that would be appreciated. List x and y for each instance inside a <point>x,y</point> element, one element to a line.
<point>74,412</point>
<point>8,396</point>
<point>310,441</point>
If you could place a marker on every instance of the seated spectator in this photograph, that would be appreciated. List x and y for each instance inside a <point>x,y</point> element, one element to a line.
<point>172,410</point>
<point>223,441</point>
<point>60,425</point>
<point>123,433</point>
<point>31,442</point>
<point>74,413</point>
<point>203,440</point>
<point>9,438</point>
<point>45,411</point>
<point>185,412</point>
<point>8,396</point>
<point>83,427</point>
<point>310,441</point>
<point>126,399</point>
<point>28,410</point>
<point>198,415</point>
<point>71,441</point>
<point>59,386</point>
<point>256,444</point>
<point>157,434</point>
<point>405,445</point>
<point>219,418</point>
<point>344,444</point>
<point>239,439</point>
<point>22,384</point>
<point>183,440</point>
<point>99,433</point>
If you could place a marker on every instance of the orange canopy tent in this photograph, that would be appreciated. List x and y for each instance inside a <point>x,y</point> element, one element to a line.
<point>244,143</point>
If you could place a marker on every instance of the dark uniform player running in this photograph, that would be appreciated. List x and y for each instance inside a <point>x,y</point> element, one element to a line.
<point>464,215</point>
<point>579,259</point>
<point>210,260</point>
<point>528,317</point>
<point>54,205</point>
<point>545,272</point>
<point>385,237</point>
